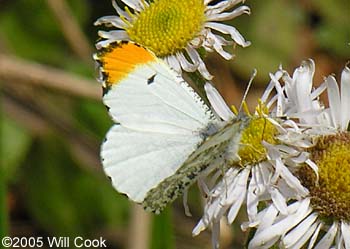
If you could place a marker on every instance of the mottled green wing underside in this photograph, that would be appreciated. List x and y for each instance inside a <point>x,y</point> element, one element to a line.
<point>212,148</point>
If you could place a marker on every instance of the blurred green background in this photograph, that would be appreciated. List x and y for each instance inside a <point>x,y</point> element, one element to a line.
<point>53,121</point>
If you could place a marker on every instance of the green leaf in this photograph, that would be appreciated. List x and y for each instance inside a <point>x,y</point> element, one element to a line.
<point>162,231</point>
<point>66,200</point>
<point>93,117</point>
<point>15,144</point>
<point>29,30</point>
<point>333,31</point>
<point>272,28</point>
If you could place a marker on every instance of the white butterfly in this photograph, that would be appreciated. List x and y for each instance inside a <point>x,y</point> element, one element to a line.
<point>164,135</point>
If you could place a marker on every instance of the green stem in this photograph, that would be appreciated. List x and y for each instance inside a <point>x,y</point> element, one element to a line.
<point>3,208</point>
<point>3,202</point>
<point>162,231</point>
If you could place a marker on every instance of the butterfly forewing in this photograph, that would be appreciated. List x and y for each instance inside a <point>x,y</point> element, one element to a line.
<point>152,98</point>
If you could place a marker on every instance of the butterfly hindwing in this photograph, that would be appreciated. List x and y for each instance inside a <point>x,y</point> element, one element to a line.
<point>211,150</point>
<point>138,161</point>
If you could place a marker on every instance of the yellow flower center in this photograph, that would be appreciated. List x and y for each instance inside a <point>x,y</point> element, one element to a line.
<point>167,26</point>
<point>251,150</point>
<point>330,196</point>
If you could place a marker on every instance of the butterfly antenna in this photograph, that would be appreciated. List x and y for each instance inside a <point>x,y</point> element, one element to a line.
<point>247,90</point>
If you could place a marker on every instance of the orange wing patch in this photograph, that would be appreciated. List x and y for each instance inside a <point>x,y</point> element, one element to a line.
<point>119,59</point>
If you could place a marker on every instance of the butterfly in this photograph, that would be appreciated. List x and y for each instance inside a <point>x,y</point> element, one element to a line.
<point>164,134</point>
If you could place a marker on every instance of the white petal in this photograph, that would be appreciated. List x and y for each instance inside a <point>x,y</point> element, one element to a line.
<point>316,93</point>
<point>309,115</point>
<point>196,59</point>
<point>229,15</point>
<point>230,178</point>
<point>345,98</point>
<point>268,218</point>
<point>345,230</point>
<point>105,43</point>
<point>203,188</point>
<point>216,235</point>
<point>218,201</point>
<point>303,77</point>
<point>328,238</point>
<point>280,93</point>
<point>114,35</point>
<point>231,216</point>
<point>272,85</point>
<point>314,167</point>
<point>109,21</point>
<point>299,88</point>
<point>225,29</point>
<point>185,64</point>
<point>292,181</point>
<point>278,200</point>
<point>252,199</point>
<point>299,231</point>
<point>265,169</point>
<point>135,4</point>
<point>185,204</point>
<point>264,238</point>
<point>120,11</point>
<point>296,213</point>
<point>238,195</point>
<point>217,42</point>
<point>315,236</point>
<point>339,242</point>
<point>206,2</point>
<point>302,158</point>
<point>199,228</point>
<point>260,178</point>
<point>220,6</point>
<point>305,237</point>
<point>334,100</point>
<point>218,103</point>
<point>274,110</point>
<point>173,63</point>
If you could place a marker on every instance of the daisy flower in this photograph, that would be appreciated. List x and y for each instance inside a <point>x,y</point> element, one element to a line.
<point>176,29</point>
<point>262,159</point>
<point>322,218</point>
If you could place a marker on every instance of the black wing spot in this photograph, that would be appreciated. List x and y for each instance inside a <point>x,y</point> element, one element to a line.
<point>151,79</point>
<point>105,89</point>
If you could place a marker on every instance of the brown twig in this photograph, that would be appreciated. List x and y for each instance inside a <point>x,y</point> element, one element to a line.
<point>139,230</point>
<point>33,111</point>
<point>17,70</point>
<point>70,29</point>
<point>32,122</point>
